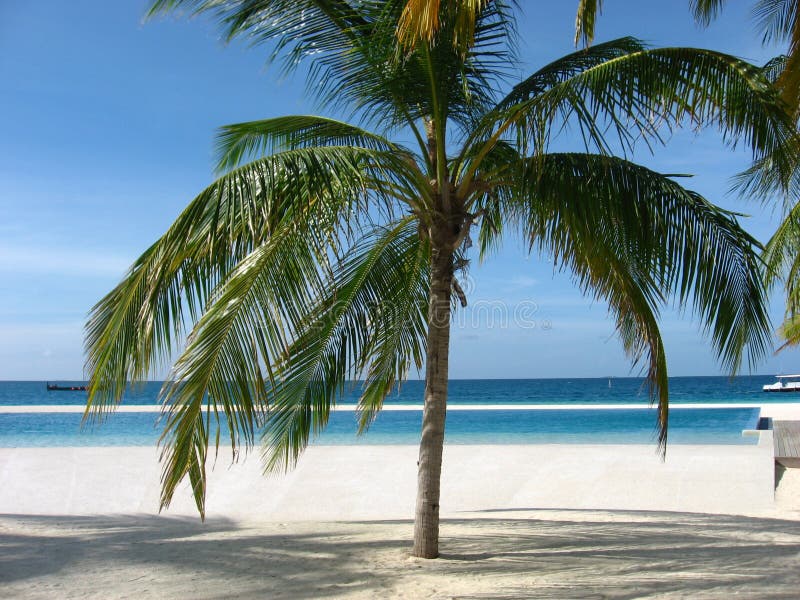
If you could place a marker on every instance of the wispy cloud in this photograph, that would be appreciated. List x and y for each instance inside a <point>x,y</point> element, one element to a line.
<point>43,330</point>
<point>523,281</point>
<point>69,261</point>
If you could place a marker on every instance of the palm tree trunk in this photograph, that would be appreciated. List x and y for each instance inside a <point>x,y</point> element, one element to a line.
<point>426,523</point>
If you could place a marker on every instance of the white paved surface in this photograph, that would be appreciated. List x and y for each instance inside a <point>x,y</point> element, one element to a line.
<point>365,482</point>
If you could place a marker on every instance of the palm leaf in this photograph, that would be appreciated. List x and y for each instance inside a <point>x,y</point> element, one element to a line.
<point>371,307</point>
<point>634,237</point>
<point>782,258</point>
<point>585,20</point>
<point>246,325</point>
<point>420,21</point>
<point>242,141</point>
<point>144,317</point>
<point>789,332</point>
<point>297,28</point>
<point>636,94</point>
<point>568,66</point>
<point>706,11</point>
<point>397,340</point>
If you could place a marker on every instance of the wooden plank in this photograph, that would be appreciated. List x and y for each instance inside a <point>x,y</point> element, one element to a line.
<point>789,435</point>
<point>792,439</point>
<point>779,436</point>
<point>786,435</point>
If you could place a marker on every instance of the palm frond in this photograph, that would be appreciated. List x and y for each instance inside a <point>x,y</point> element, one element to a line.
<point>373,80</point>
<point>340,41</point>
<point>770,176</point>
<point>789,332</point>
<point>782,258</point>
<point>371,307</point>
<point>568,66</point>
<point>247,324</point>
<point>705,11</point>
<point>637,94</point>
<point>297,29</point>
<point>586,19</point>
<point>239,142</point>
<point>421,20</point>
<point>397,340</point>
<point>143,319</point>
<point>634,238</point>
<point>775,19</point>
<point>774,67</point>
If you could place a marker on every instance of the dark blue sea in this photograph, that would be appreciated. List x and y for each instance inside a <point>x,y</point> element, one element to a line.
<point>617,390</point>
<point>488,426</point>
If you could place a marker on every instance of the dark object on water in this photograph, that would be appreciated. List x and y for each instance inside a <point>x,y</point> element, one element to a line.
<point>65,388</point>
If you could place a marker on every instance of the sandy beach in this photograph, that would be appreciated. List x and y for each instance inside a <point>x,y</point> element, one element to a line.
<point>522,554</point>
<point>547,521</point>
<point>519,521</point>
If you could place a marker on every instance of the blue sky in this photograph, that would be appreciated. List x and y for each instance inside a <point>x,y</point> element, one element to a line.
<point>106,132</point>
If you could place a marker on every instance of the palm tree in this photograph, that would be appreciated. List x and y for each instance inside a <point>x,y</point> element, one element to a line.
<point>326,252</point>
<point>777,20</point>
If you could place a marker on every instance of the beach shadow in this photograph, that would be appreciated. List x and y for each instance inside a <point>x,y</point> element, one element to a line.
<point>780,471</point>
<point>547,554</point>
<point>80,549</point>
<point>632,554</point>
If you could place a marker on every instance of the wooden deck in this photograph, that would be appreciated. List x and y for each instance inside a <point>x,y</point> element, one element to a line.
<point>786,435</point>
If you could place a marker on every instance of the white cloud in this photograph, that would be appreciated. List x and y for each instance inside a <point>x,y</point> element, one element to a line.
<point>33,332</point>
<point>523,281</point>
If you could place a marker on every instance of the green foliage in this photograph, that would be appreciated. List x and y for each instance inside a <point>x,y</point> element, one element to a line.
<point>306,265</point>
<point>585,20</point>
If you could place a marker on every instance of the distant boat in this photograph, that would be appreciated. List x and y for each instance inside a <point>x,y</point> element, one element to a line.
<point>784,386</point>
<point>65,388</point>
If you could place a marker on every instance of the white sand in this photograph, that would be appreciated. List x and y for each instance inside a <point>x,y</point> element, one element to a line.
<point>564,521</point>
<point>81,523</point>
<point>525,554</point>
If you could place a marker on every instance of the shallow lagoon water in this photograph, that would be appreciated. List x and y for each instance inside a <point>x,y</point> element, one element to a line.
<point>578,426</point>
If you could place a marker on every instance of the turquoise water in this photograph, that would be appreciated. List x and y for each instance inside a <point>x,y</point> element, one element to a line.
<point>490,426</point>
<point>580,426</point>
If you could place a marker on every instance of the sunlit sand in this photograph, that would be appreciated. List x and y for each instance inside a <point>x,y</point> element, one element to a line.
<point>518,521</point>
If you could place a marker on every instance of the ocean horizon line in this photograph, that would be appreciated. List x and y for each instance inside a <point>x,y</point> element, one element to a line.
<point>597,377</point>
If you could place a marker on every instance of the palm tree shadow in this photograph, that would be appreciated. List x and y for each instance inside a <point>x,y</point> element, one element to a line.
<point>153,547</point>
<point>620,554</point>
<point>630,554</point>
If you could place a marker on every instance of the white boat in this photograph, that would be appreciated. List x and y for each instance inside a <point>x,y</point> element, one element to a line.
<point>784,384</point>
